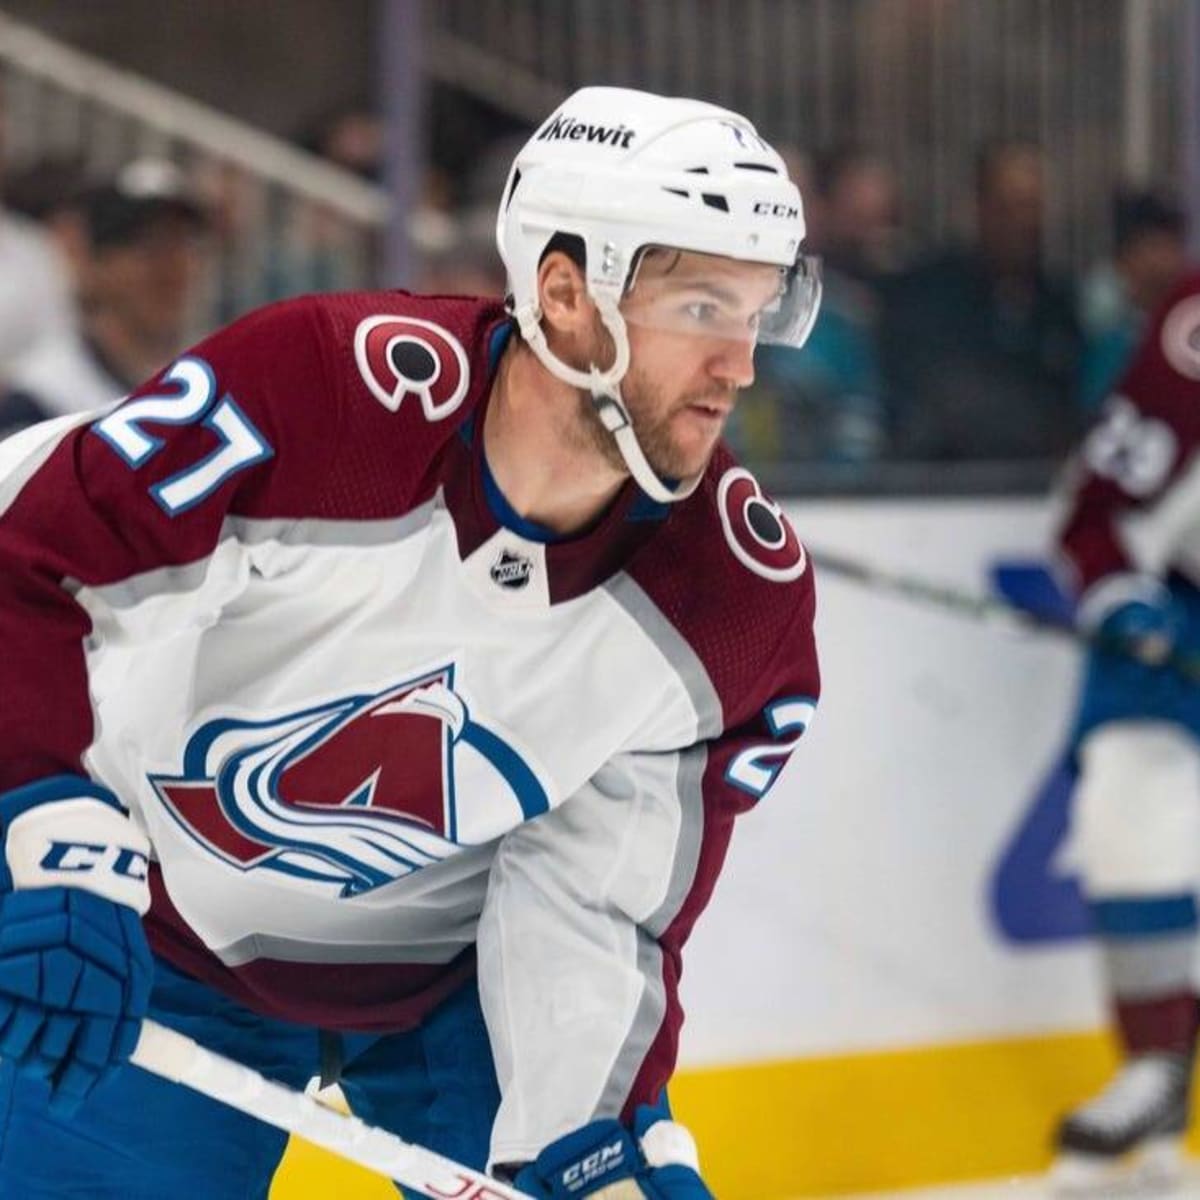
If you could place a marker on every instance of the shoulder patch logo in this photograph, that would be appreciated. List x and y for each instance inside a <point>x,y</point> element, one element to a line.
<point>402,356</point>
<point>1181,337</point>
<point>757,531</point>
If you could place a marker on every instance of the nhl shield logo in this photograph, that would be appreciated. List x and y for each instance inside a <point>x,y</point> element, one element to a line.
<point>511,570</point>
<point>351,794</point>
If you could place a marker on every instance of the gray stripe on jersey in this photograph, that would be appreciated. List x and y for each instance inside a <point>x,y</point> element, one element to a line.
<point>653,1005</point>
<point>646,1023</point>
<point>691,834</point>
<point>675,648</point>
<point>176,580</point>
<point>162,581</point>
<point>296,950</point>
<point>310,531</point>
<point>1144,968</point>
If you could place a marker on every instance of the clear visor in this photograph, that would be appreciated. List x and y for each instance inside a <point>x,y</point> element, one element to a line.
<point>706,295</point>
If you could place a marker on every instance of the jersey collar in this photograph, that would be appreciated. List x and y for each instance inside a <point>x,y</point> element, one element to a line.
<point>574,565</point>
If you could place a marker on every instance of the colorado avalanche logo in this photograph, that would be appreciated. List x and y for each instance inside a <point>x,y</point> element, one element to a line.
<point>401,356</point>
<point>354,793</point>
<point>757,531</point>
<point>1181,337</point>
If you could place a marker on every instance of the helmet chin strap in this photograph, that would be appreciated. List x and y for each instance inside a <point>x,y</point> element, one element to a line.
<point>604,387</point>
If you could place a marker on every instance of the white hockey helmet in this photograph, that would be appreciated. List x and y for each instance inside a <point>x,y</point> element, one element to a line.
<point>623,171</point>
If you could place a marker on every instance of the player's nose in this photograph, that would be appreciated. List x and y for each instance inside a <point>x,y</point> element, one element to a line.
<point>733,363</point>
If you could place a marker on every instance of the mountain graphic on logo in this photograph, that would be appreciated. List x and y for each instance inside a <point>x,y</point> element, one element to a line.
<point>354,793</point>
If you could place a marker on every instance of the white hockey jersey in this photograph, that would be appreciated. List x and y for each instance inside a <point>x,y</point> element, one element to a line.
<point>380,738</point>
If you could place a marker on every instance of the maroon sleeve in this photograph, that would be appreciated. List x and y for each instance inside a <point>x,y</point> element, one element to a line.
<point>243,424</point>
<point>756,638</point>
<point>1142,448</point>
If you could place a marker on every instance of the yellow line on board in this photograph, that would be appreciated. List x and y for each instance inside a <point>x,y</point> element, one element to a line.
<point>850,1123</point>
<point>891,1119</point>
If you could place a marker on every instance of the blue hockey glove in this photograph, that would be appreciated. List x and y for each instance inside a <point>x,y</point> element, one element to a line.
<point>75,967</point>
<point>658,1160</point>
<point>1147,630</point>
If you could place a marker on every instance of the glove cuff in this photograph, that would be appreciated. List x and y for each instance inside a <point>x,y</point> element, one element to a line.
<point>667,1143</point>
<point>69,832</point>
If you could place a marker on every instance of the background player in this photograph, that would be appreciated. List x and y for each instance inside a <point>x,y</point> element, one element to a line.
<point>1131,545</point>
<point>302,638</point>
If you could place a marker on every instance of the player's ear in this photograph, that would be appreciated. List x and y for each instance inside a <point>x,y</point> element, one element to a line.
<point>562,291</point>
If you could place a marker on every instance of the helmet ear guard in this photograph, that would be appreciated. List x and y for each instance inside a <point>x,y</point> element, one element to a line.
<point>622,171</point>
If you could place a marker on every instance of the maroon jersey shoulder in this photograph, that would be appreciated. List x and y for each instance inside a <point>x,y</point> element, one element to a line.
<point>1164,377</point>
<point>1144,443</point>
<point>409,371</point>
<point>730,574</point>
<point>350,397</point>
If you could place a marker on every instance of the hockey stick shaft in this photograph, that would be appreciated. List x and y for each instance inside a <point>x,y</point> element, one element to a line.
<point>989,609</point>
<point>174,1056</point>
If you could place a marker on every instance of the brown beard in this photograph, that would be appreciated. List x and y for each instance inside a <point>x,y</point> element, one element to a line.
<point>639,398</point>
<point>654,437</point>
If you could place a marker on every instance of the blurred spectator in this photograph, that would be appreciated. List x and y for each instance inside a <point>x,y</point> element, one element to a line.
<point>35,294</point>
<point>825,402</point>
<point>48,192</point>
<point>1119,296</point>
<point>855,213</point>
<point>980,345</point>
<point>46,189</point>
<point>139,269</point>
<point>350,137</point>
<point>453,229</point>
<point>270,244</point>
<point>457,253</point>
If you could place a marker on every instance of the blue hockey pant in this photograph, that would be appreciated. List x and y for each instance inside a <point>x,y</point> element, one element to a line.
<point>138,1137</point>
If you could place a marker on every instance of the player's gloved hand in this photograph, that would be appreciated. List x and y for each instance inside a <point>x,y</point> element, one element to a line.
<point>605,1160</point>
<point>1146,629</point>
<point>75,967</point>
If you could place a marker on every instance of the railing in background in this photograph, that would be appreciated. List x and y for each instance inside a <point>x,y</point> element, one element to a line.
<point>1097,82</point>
<point>285,221</point>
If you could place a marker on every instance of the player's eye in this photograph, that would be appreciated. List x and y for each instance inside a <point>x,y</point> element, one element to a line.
<point>702,312</point>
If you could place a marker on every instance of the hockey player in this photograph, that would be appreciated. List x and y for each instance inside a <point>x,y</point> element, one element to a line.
<point>1131,543</point>
<point>381,681</point>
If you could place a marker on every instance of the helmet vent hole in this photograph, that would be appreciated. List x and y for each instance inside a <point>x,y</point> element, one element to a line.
<point>678,192</point>
<point>715,201</point>
<point>512,191</point>
<point>757,167</point>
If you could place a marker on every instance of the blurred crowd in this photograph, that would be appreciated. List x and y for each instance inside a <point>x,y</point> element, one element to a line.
<point>105,279</point>
<point>971,351</point>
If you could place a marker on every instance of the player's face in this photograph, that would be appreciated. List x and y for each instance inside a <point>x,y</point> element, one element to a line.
<point>692,322</point>
<point>152,281</point>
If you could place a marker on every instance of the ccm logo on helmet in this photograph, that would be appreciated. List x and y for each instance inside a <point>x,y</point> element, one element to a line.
<point>765,208</point>
<point>757,531</point>
<point>402,356</point>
